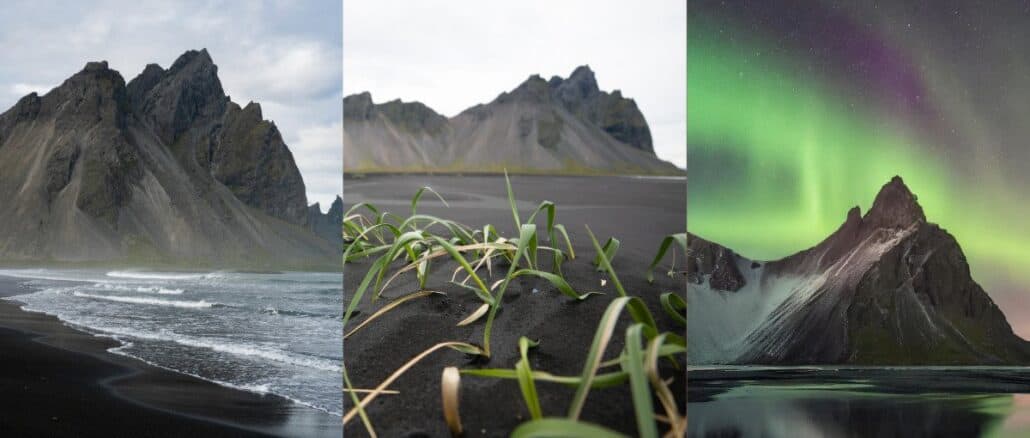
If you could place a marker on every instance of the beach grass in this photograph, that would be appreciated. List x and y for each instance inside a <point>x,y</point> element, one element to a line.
<point>391,246</point>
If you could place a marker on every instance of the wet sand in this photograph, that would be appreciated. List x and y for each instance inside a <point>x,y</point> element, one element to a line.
<point>639,212</point>
<point>58,381</point>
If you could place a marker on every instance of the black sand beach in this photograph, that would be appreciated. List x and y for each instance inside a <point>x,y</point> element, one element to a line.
<point>639,212</point>
<point>58,381</point>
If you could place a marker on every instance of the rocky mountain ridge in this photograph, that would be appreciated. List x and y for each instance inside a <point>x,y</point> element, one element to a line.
<point>542,126</point>
<point>886,288</point>
<point>163,169</point>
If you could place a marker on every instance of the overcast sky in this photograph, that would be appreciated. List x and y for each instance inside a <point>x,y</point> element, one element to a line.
<point>285,55</point>
<point>452,54</point>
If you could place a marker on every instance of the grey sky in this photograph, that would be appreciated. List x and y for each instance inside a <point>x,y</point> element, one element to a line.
<point>285,55</point>
<point>452,54</point>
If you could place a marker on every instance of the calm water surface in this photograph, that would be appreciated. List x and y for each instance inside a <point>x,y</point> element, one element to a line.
<point>859,402</point>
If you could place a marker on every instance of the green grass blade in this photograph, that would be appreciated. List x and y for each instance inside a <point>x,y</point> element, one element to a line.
<point>549,208</point>
<point>675,306</point>
<point>418,195</point>
<point>533,247</point>
<point>603,261</point>
<point>525,377</point>
<point>600,381</point>
<point>365,232</point>
<point>568,242</point>
<point>511,200</point>
<point>611,247</point>
<point>484,291</point>
<point>399,247</point>
<point>526,232</point>
<point>563,286</point>
<point>639,384</point>
<point>360,205</point>
<point>637,309</point>
<point>601,338</point>
<point>562,428</point>
<point>422,273</point>
<point>680,238</point>
<point>360,291</point>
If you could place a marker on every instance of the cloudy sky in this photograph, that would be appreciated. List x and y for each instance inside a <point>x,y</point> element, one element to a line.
<point>452,54</point>
<point>286,55</point>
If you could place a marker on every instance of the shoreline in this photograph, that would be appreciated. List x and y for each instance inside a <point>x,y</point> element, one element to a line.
<point>63,381</point>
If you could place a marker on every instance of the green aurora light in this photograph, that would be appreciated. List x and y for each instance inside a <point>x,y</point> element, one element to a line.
<point>777,156</point>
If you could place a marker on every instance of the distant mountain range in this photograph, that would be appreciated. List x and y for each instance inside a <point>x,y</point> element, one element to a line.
<point>886,288</point>
<point>164,169</point>
<point>542,126</point>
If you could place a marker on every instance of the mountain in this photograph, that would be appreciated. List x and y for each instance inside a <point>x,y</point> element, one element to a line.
<point>542,126</point>
<point>886,288</point>
<point>329,225</point>
<point>164,169</point>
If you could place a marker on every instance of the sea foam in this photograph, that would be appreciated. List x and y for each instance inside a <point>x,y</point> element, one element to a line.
<point>148,301</point>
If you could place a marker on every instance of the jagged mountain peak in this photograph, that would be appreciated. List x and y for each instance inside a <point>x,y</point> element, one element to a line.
<point>254,108</point>
<point>173,100</point>
<point>854,215</point>
<point>533,89</point>
<point>581,85</point>
<point>165,166</point>
<point>199,58</point>
<point>92,72</point>
<point>363,96</point>
<point>95,66</point>
<point>358,106</point>
<point>553,126</point>
<point>414,116</point>
<point>337,207</point>
<point>895,206</point>
<point>94,93</point>
<point>584,71</point>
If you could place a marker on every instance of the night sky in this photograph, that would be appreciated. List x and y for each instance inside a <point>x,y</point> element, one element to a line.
<point>799,110</point>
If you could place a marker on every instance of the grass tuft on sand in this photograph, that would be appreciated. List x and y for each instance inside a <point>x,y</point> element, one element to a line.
<point>390,246</point>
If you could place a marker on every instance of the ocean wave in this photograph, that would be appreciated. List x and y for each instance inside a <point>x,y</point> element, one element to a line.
<point>261,352</point>
<point>145,289</point>
<point>262,389</point>
<point>149,301</point>
<point>143,275</point>
<point>225,346</point>
<point>112,286</point>
<point>159,290</point>
<point>270,310</point>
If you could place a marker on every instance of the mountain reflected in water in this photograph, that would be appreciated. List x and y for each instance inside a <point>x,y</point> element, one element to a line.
<point>859,402</point>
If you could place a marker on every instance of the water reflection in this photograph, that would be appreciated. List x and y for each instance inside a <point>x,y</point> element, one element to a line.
<point>859,402</point>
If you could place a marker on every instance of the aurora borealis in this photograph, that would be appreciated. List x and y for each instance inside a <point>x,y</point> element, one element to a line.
<point>798,111</point>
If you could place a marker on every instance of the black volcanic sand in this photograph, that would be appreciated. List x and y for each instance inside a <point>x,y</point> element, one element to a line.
<point>58,381</point>
<point>639,212</point>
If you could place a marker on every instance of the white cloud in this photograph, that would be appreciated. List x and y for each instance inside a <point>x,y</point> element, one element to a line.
<point>452,54</point>
<point>287,70</point>
<point>318,151</point>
